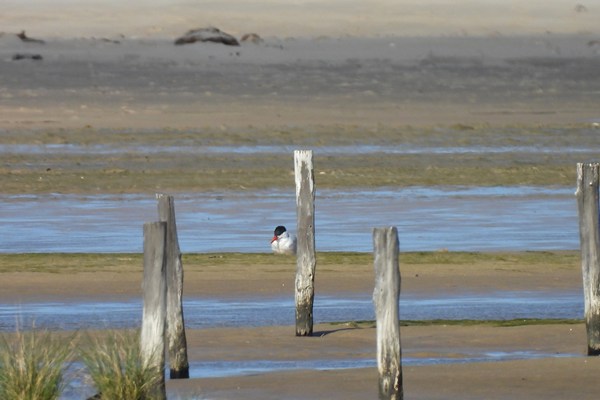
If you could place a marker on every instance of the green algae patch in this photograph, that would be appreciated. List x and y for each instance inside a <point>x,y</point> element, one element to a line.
<point>179,161</point>
<point>132,262</point>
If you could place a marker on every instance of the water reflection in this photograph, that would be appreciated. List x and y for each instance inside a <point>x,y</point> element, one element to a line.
<point>454,218</point>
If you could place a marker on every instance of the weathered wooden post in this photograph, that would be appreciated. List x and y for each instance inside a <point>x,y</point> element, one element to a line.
<point>152,341</point>
<point>587,202</point>
<point>305,255</point>
<point>385,297</point>
<point>177,343</point>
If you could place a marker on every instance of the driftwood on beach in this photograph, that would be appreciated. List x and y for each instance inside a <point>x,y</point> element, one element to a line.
<point>27,56</point>
<point>305,255</point>
<point>252,38</point>
<point>587,201</point>
<point>385,297</point>
<point>210,34</point>
<point>24,38</point>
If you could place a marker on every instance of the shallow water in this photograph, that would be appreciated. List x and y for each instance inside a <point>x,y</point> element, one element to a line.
<point>77,389</point>
<point>219,369</point>
<point>107,149</point>
<point>216,369</point>
<point>453,218</point>
<point>270,311</point>
<point>255,311</point>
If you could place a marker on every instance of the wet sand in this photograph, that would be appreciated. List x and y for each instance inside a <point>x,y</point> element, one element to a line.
<point>364,82</point>
<point>105,277</point>
<point>392,63</point>
<point>549,358</point>
<point>563,373</point>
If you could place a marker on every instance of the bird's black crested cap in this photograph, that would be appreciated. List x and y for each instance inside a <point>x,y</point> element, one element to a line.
<point>279,230</point>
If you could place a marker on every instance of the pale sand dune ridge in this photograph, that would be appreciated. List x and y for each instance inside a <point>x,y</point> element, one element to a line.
<point>337,18</point>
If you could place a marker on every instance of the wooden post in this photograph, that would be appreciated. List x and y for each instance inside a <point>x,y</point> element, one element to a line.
<point>177,343</point>
<point>385,297</point>
<point>305,254</point>
<point>154,286</point>
<point>587,202</point>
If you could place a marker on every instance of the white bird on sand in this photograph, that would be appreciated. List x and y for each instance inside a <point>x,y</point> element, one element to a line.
<point>283,242</point>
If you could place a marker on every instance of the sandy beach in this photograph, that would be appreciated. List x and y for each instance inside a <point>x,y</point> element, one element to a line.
<point>392,63</point>
<point>31,278</point>
<point>359,82</point>
<point>101,83</point>
<point>334,18</point>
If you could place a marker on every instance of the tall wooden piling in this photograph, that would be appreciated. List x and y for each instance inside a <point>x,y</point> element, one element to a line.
<point>305,255</point>
<point>154,286</point>
<point>385,297</point>
<point>176,340</point>
<point>587,202</point>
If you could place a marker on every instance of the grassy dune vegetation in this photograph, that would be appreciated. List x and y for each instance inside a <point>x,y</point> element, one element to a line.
<point>32,365</point>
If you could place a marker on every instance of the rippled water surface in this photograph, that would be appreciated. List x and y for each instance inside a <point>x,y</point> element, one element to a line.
<point>269,311</point>
<point>453,218</point>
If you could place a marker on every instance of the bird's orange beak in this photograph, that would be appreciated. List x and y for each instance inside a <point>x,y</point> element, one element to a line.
<point>274,239</point>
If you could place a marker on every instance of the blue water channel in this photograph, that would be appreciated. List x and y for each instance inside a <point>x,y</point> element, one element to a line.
<point>453,218</point>
<point>271,311</point>
<point>106,149</point>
